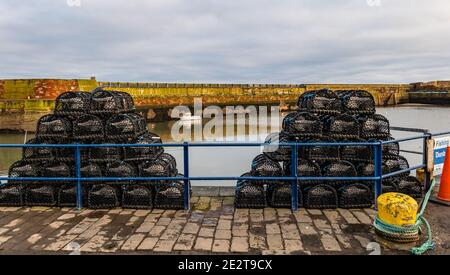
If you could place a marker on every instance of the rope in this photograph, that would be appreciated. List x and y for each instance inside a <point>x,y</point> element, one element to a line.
<point>403,234</point>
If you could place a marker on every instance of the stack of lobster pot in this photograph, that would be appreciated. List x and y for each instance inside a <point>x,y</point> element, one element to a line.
<point>327,116</point>
<point>99,117</point>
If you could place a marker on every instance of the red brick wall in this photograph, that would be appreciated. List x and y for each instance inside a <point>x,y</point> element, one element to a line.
<point>50,89</point>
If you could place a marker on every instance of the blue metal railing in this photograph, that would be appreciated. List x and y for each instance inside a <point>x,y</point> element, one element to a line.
<point>294,178</point>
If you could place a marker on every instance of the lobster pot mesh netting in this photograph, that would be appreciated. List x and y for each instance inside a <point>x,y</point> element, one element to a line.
<point>54,127</point>
<point>105,154</point>
<point>250,194</point>
<point>123,127</point>
<point>339,168</point>
<point>303,125</point>
<point>276,152</point>
<point>106,103</point>
<point>24,169</point>
<point>390,149</point>
<point>305,168</point>
<point>397,163</point>
<point>67,195</point>
<point>342,127</point>
<point>280,195</point>
<point>73,103</point>
<point>410,186</point>
<point>368,170</point>
<point>38,154</point>
<point>137,196</point>
<point>320,102</point>
<point>356,153</point>
<point>144,153</point>
<point>321,196</point>
<point>41,195</point>
<point>170,195</point>
<point>262,166</point>
<point>157,168</point>
<point>320,153</point>
<point>56,169</point>
<point>104,196</point>
<point>357,102</point>
<point>355,196</point>
<point>12,194</point>
<point>88,127</point>
<point>374,127</point>
<point>121,169</point>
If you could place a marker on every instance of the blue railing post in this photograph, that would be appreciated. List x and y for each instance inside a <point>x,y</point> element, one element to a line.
<point>294,173</point>
<point>78,176</point>
<point>378,149</point>
<point>187,185</point>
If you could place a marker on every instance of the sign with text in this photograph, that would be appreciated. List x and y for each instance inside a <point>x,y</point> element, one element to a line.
<point>440,147</point>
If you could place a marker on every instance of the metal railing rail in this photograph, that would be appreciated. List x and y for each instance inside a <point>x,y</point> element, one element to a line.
<point>294,178</point>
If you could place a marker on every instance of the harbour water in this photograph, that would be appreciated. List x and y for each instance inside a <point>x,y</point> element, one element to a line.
<point>234,161</point>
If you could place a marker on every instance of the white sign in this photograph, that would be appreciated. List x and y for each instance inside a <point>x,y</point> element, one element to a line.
<point>440,147</point>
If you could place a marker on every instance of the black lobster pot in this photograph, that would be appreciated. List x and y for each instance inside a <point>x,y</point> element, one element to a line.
<point>388,186</point>
<point>24,169</point>
<point>342,127</point>
<point>88,128</point>
<point>279,195</point>
<point>410,186</point>
<point>41,195</point>
<point>357,102</point>
<point>121,169</point>
<point>263,166</point>
<point>321,102</point>
<point>123,127</point>
<point>105,154</point>
<point>54,127</point>
<point>374,127</point>
<point>12,195</point>
<point>170,195</point>
<point>137,196</point>
<point>355,196</point>
<point>305,168</point>
<point>303,125</point>
<point>107,103</point>
<point>339,168</point>
<point>73,103</point>
<point>56,169</point>
<point>67,195</point>
<point>38,154</point>
<point>276,152</point>
<point>67,154</point>
<point>358,153</point>
<point>104,196</point>
<point>249,194</point>
<point>368,170</point>
<point>157,168</point>
<point>91,170</point>
<point>320,153</point>
<point>321,196</point>
<point>144,153</point>
<point>396,163</point>
<point>390,149</point>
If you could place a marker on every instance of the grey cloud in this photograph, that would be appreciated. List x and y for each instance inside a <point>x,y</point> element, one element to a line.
<point>253,41</point>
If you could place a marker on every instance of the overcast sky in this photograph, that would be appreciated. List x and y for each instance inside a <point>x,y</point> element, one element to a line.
<point>229,41</point>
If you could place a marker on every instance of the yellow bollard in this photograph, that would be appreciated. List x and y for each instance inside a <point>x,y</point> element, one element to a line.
<point>397,209</point>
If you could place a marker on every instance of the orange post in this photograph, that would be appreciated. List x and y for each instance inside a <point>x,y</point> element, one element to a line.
<point>444,188</point>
